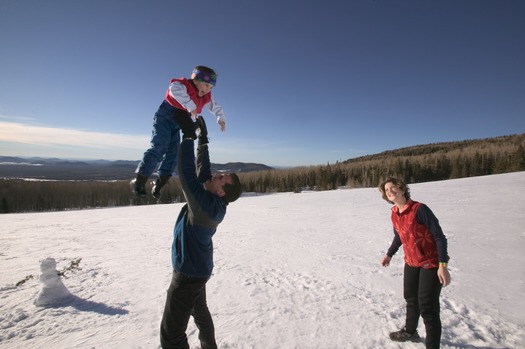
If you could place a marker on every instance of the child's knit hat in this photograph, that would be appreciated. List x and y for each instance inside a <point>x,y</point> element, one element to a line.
<point>203,76</point>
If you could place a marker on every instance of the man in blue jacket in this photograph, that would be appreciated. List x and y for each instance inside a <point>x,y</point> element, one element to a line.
<point>207,197</point>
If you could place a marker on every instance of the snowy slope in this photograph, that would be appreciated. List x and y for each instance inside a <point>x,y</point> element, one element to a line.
<point>291,271</point>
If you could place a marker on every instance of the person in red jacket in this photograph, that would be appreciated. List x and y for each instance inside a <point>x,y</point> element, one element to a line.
<point>184,98</point>
<point>426,258</point>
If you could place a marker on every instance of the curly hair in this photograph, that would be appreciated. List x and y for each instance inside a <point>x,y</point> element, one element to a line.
<point>398,183</point>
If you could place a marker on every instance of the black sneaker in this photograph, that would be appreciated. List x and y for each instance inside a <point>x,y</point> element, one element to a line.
<point>403,336</point>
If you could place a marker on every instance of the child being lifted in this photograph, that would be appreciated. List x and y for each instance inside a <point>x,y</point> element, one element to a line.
<point>186,97</point>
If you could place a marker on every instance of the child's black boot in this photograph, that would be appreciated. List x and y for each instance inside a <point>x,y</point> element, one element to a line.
<point>138,185</point>
<point>157,186</point>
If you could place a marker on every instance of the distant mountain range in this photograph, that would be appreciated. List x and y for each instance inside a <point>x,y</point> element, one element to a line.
<point>61,169</point>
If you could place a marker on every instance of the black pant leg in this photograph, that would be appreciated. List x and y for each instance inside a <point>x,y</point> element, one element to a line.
<point>411,295</point>
<point>204,322</point>
<point>182,295</point>
<point>429,291</point>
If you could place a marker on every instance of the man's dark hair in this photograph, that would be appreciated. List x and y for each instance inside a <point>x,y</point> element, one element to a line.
<point>234,190</point>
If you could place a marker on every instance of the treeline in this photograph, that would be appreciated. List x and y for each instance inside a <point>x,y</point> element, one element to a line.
<point>18,195</point>
<point>421,163</point>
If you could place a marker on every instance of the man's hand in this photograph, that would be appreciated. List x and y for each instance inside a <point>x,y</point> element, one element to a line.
<point>186,125</point>
<point>203,135</point>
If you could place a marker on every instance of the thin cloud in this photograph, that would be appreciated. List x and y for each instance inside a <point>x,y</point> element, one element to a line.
<point>47,136</point>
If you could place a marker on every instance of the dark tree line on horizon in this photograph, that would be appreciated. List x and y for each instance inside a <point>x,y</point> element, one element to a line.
<point>423,163</point>
<point>415,164</point>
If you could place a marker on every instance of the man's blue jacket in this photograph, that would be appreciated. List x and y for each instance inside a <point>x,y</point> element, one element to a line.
<point>192,249</point>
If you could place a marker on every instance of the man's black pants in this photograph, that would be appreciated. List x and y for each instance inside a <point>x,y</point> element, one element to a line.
<point>186,297</point>
<point>421,291</point>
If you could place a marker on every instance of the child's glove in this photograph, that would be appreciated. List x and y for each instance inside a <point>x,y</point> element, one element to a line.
<point>186,125</point>
<point>203,135</point>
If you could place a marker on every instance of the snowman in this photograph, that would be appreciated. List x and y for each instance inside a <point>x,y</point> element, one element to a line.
<point>53,290</point>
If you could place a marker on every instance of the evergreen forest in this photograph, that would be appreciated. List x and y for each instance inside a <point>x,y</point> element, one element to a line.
<point>420,163</point>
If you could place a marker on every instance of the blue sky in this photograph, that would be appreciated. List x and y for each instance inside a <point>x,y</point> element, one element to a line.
<point>301,82</point>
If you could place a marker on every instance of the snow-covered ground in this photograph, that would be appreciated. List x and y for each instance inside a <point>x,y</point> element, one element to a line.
<point>291,271</point>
